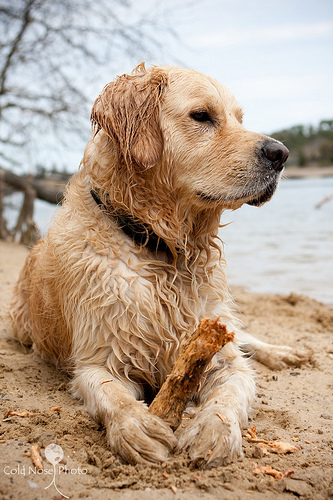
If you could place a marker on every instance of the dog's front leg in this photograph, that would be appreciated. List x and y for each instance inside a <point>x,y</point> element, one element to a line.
<point>132,432</point>
<point>213,437</point>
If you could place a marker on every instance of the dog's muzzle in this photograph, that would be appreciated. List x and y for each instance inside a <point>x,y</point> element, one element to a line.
<point>273,155</point>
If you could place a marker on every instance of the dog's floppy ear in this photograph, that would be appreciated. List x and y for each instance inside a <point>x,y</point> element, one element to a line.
<point>128,111</point>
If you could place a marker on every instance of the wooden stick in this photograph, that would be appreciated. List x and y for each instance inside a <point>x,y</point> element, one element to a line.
<point>187,371</point>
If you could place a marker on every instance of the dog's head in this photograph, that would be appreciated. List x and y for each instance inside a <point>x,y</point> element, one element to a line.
<point>190,126</point>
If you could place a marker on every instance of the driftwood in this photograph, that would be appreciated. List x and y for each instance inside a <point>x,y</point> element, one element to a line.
<point>25,226</point>
<point>324,200</point>
<point>4,233</point>
<point>42,192</point>
<point>188,369</point>
<point>32,188</point>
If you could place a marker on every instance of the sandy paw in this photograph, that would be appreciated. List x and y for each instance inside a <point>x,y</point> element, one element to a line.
<point>137,436</point>
<point>211,439</point>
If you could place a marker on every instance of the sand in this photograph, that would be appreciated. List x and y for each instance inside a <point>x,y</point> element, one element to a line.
<point>293,405</point>
<point>294,172</point>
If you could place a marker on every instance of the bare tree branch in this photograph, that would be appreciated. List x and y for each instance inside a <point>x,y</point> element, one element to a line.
<point>15,44</point>
<point>51,56</point>
<point>51,48</point>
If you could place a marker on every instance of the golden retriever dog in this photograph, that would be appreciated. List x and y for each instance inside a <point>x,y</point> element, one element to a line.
<point>132,262</point>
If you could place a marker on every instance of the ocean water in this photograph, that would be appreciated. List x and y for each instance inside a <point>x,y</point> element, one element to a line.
<point>284,246</point>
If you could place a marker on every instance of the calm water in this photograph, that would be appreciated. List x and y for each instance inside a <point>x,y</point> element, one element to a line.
<point>284,246</point>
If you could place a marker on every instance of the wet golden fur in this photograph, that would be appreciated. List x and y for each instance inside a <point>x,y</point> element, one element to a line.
<point>94,302</point>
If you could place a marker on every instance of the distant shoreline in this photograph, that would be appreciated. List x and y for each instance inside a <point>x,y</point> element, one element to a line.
<point>294,172</point>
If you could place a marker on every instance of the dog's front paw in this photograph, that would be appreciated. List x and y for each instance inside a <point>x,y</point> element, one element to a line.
<point>278,357</point>
<point>137,436</point>
<point>212,438</point>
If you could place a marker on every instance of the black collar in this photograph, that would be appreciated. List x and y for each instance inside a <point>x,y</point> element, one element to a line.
<point>139,233</point>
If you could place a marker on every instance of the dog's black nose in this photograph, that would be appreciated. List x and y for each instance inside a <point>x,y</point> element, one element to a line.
<point>276,153</point>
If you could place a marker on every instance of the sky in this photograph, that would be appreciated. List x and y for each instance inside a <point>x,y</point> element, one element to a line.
<point>275,56</point>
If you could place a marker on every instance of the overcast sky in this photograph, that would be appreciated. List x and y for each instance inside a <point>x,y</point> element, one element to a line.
<point>275,56</point>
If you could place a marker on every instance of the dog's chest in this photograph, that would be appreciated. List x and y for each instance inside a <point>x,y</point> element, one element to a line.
<point>162,297</point>
<point>135,309</point>
<point>150,308</point>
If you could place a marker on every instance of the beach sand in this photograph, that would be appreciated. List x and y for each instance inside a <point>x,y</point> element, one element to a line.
<point>294,172</point>
<point>293,405</point>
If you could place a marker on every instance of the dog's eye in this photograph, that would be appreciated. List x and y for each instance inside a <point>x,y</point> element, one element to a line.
<point>201,116</point>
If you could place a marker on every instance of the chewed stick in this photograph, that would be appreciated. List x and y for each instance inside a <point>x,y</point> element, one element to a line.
<point>187,371</point>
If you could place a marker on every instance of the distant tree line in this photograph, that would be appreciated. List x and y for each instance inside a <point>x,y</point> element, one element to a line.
<point>309,144</point>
